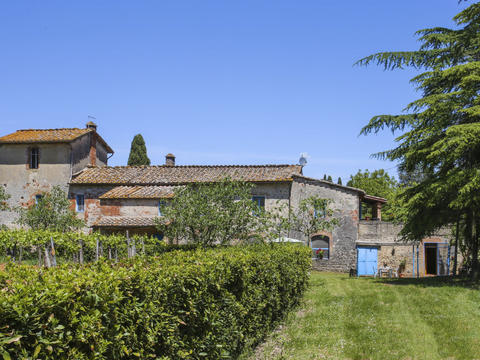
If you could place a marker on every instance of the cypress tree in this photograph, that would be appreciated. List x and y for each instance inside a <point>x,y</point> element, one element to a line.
<point>329,178</point>
<point>440,132</point>
<point>325,177</point>
<point>138,152</point>
<point>339,181</point>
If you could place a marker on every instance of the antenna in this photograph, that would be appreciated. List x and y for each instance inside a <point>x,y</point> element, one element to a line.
<point>303,159</point>
<point>92,117</point>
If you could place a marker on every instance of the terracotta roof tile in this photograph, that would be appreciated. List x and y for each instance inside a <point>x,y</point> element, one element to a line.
<point>139,192</point>
<point>48,136</point>
<point>177,175</point>
<point>124,221</point>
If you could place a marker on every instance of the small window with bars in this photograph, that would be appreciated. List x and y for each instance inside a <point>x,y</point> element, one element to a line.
<point>33,158</point>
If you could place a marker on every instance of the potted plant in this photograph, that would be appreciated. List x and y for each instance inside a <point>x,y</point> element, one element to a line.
<point>319,254</point>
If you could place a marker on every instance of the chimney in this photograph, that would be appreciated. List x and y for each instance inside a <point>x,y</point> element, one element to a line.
<point>93,143</point>
<point>91,125</point>
<point>170,160</point>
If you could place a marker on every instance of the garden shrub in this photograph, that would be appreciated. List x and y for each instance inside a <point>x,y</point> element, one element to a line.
<point>196,304</point>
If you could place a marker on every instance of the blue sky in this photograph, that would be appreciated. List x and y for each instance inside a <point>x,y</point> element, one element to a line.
<point>214,82</point>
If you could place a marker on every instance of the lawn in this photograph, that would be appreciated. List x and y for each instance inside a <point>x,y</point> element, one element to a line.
<point>364,318</point>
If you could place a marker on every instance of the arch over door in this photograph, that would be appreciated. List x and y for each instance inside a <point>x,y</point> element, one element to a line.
<point>367,260</point>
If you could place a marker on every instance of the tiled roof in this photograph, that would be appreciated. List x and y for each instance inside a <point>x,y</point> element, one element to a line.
<point>177,175</point>
<point>48,136</point>
<point>139,192</point>
<point>124,221</point>
<point>329,183</point>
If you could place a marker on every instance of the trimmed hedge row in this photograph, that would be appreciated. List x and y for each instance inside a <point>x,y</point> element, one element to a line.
<point>200,304</point>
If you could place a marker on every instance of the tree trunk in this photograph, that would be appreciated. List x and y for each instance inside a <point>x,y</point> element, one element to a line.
<point>455,258</point>
<point>81,252</point>
<point>475,234</point>
<point>54,255</point>
<point>20,255</point>
<point>96,252</point>
<point>39,253</point>
<point>128,246</point>
<point>47,257</point>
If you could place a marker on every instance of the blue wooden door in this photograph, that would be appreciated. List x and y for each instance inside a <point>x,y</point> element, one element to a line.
<point>366,260</point>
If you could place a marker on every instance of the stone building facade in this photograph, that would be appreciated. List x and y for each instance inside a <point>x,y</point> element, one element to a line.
<point>121,198</point>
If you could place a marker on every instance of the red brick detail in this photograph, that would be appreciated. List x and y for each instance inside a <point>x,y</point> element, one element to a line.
<point>73,204</point>
<point>93,150</point>
<point>110,208</point>
<point>433,240</point>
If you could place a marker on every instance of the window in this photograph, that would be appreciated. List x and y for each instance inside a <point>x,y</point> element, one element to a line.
<point>33,158</point>
<point>80,203</point>
<point>260,202</point>
<point>321,247</point>
<point>161,206</point>
<point>38,198</point>
<point>319,211</point>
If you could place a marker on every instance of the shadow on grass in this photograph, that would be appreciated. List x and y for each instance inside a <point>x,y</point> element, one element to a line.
<point>434,281</point>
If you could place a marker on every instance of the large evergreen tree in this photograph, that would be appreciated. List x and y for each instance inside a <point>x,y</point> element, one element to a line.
<point>440,132</point>
<point>138,152</point>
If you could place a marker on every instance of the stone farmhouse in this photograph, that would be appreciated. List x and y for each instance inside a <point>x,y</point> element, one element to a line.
<point>120,198</point>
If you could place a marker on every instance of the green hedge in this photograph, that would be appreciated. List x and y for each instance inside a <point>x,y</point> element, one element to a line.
<point>200,304</point>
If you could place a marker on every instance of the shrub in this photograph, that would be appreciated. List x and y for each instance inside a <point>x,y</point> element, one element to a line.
<point>196,304</point>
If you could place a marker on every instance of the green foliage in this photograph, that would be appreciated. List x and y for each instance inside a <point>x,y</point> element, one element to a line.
<point>201,304</point>
<point>69,244</point>
<point>52,212</point>
<point>312,215</point>
<point>3,199</point>
<point>378,183</point>
<point>138,152</point>
<point>329,178</point>
<point>339,181</point>
<point>207,214</point>
<point>440,132</point>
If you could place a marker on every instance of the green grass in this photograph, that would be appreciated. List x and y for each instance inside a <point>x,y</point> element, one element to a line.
<point>364,318</point>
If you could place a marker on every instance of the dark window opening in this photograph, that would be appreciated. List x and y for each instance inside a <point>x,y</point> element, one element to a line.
<point>80,203</point>
<point>431,259</point>
<point>33,158</point>
<point>38,198</point>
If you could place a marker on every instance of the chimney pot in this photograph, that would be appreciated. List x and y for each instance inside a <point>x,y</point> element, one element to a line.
<point>170,160</point>
<point>91,125</point>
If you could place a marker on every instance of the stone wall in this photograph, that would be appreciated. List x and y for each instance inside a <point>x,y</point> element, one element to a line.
<point>93,209</point>
<point>80,153</point>
<point>345,204</point>
<point>23,183</point>
<point>392,249</point>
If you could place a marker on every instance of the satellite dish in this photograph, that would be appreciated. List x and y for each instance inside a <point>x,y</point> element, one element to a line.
<point>303,159</point>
